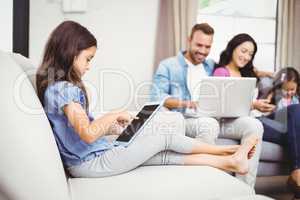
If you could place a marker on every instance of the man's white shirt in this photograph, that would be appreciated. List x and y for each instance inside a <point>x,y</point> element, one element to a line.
<point>194,75</point>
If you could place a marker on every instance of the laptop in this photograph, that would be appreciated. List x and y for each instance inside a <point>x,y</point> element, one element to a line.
<point>223,97</point>
<point>136,126</point>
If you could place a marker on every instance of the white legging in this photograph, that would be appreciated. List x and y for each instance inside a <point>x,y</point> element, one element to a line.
<point>162,142</point>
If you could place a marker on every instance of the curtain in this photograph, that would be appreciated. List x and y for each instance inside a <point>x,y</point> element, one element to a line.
<point>285,33</point>
<point>296,59</point>
<point>185,16</point>
<point>175,21</point>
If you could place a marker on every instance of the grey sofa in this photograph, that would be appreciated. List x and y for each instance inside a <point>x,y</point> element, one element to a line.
<point>31,168</point>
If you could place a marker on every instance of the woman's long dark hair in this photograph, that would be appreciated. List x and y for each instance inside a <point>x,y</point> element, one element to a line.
<point>284,75</point>
<point>64,44</point>
<point>226,55</point>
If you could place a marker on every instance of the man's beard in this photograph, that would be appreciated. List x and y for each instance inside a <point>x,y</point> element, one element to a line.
<point>194,57</point>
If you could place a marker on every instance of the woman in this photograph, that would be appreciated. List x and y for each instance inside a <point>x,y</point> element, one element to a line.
<point>81,140</point>
<point>237,61</point>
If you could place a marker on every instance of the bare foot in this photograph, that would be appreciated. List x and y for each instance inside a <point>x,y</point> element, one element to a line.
<point>239,160</point>
<point>251,140</point>
<point>228,149</point>
<point>295,176</point>
<point>251,152</point>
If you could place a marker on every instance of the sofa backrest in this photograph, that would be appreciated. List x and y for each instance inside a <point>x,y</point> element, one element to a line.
<point>27,66</point>
<point>31,168</point>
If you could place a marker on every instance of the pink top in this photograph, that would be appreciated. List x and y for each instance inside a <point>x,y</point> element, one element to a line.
<point>221,71</point>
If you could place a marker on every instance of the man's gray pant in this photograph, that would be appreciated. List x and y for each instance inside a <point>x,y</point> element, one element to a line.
<point>208,129</point>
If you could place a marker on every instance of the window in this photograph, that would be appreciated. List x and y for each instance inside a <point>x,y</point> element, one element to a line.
<point>230,17</point>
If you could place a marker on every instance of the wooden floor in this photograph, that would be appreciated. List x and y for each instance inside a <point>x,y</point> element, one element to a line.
<point>274,187</point>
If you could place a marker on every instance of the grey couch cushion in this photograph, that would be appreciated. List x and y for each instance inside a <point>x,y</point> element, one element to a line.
<point>264,86</point>
<point>161,182</point>
<point>30,164</point>
<point>273,152</point>
<point>272,168</point>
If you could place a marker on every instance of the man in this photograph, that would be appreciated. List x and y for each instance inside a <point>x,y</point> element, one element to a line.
<point>177,76</point>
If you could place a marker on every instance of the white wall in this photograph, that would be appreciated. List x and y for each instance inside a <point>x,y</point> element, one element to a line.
<point>6,22</point>
<point>126,32</point>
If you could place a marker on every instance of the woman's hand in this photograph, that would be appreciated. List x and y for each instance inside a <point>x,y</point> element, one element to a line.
<point>263,105</point>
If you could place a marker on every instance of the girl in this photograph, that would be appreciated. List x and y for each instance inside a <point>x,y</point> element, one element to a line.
<point>81,140</point>
<point>285,89</point>
<point>237,61</point>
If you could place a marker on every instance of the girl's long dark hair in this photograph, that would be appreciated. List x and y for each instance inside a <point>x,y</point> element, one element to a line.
<point>226,55</point>
<point>284,75</point>
<point>64,44</point>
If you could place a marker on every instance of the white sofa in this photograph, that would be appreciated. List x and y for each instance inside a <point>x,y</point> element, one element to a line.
<point>31,168</point>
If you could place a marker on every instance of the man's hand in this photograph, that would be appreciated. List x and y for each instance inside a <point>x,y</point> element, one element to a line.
<point>190,104</point>
<point>263,105</point>
<point>172,103</point>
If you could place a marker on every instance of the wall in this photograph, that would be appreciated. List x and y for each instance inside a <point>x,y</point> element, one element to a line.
<point>6,22</point>
<point>126,32</point>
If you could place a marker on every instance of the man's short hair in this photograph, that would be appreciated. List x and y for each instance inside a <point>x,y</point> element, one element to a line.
<point>204,27</point>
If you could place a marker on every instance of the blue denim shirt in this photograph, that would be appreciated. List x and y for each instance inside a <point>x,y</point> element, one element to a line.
<point>72,149</point>
<point>170,79</point>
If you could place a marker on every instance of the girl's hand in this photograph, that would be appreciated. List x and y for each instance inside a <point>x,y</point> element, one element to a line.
<point>115,129</point>
<point>124,118</point>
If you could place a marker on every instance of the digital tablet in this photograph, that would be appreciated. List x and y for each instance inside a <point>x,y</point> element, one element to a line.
<point>136,126</point>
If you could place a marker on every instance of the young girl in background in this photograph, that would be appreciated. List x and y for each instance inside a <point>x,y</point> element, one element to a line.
<point>282,125</point>
<point>81,140</point>
<point>285,89</point>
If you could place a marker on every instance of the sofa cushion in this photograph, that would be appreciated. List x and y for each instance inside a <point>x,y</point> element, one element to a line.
<point>265,84</point>
<point>30,164</point>
<point>272,168</point>
<point>27,66</point>
<point>273,152</point>
<point>161,182</point>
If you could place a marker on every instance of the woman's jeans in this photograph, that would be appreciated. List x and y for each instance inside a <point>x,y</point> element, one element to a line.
<point>285,132</point>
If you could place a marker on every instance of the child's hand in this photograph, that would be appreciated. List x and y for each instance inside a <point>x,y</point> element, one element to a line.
<point>115,129</point>
<point>124,118</point>
<point>263,105</point>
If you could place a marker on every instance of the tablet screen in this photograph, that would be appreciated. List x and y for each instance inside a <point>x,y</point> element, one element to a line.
<point>136,124</point>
